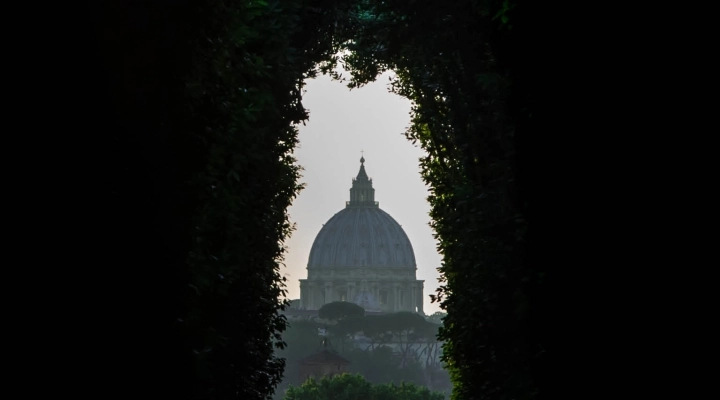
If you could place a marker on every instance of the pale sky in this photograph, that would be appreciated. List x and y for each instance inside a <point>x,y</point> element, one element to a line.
<point>342,123</point>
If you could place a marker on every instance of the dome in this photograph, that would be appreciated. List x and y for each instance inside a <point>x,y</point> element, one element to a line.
<point>362,235</point>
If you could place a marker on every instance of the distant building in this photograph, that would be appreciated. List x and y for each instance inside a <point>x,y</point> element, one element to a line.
<point>362,255</point>
<point>324,362</point>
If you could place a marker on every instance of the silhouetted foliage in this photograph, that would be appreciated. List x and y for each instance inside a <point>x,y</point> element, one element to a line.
<point>338,310</point>
<point>202,112</point>
<point>437,317</point>
<point>455,62</point>
<point>383,365</point>
<point>353,387</point>
<point>376,361</point>
<point>204,99</point>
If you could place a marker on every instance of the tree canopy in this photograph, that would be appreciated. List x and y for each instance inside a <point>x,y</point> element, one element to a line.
<point>414,359</point>
<point>338,310</point>
<point>437,317</point>
<point>354,387</point>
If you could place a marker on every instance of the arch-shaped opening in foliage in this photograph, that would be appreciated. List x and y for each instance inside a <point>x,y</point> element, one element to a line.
<point>205,99</point>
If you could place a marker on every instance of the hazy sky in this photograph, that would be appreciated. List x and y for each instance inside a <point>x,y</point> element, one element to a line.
<point>342,123</point>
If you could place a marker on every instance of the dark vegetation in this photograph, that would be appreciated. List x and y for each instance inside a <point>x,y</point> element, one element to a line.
<point>190,110</point>
<point>416,358</point>
<point>339,310</point>
<point>353,387</point>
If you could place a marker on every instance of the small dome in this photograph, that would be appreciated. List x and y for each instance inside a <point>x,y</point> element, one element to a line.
<point>362,237</point>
